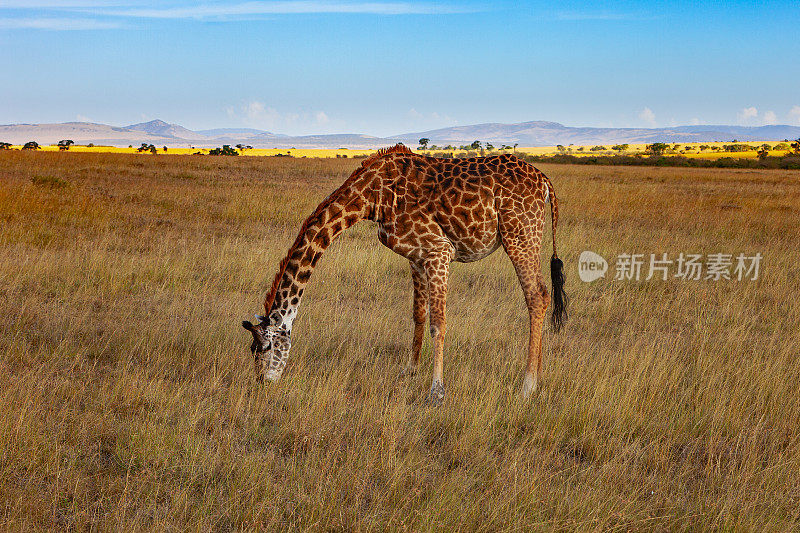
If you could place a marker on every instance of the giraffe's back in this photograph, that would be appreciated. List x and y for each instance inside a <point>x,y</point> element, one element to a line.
<point>431,202</point>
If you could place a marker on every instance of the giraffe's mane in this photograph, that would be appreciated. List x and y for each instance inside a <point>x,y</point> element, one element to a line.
<point>397,148</point>
<point>273,292</point>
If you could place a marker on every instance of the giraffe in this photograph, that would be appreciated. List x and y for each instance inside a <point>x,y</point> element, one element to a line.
<point>432,211</point>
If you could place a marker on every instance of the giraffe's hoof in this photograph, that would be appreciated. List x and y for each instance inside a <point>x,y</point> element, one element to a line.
<point>529,386</point>
<point>436,395</point>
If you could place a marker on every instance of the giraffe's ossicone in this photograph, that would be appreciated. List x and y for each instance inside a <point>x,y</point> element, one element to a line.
<point>432,211</point>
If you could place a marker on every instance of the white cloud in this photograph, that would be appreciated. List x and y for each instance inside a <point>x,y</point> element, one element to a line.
<point>82,118</point>
<point>288,7</point>
<point>61,4</point>
<point>417,121</point>
<point>257,114</point>
<point>254,110</point>
<point>769,118</point>
<point>322,118</point>
<point>748,114</point>
<point>648,117</point>
<point>695,121</point>
<point>751,117</point>
<point>794,115</point>
<point>55,24</point>
<point>60,16</point>
<point>432,116</point>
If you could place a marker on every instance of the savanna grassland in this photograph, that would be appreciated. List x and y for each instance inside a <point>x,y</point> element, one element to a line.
<point>128,400</point>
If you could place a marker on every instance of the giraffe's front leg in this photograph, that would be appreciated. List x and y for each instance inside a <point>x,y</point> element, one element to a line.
<point>436,272</point>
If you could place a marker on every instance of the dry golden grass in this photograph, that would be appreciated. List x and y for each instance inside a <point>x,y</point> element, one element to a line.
<point>127,399</point>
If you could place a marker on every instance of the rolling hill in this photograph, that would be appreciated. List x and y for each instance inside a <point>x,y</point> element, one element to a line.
<point>533,133</point>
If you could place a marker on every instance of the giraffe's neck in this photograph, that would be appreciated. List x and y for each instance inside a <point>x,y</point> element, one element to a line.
<point>343,208</point>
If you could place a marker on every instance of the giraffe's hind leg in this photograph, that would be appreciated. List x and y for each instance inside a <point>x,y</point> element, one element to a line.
<point>522,243</point>
<point>420,314</point>
<point>537,298</point>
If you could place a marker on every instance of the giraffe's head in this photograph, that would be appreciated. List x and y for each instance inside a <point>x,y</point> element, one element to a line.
<point>270,348</point>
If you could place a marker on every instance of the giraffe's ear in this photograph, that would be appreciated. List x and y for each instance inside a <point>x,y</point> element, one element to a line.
<point>249,326</point>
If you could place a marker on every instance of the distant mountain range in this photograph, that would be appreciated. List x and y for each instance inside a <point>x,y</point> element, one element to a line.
<point>162,129</point>
<point>536,133</point>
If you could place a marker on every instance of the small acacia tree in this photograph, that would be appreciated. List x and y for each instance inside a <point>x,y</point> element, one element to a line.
<point>225,150</point>
<point>423,143</point>
<point>147,148</point>
<point>5,146</point>
<point>65,144</point>
<point>31,145</point>
<point>657,148</point>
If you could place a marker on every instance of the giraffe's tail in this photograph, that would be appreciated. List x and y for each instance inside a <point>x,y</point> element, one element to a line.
<point>560,300</point>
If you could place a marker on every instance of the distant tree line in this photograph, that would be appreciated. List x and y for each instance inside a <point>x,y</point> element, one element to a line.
<point>789,161</point>
<point>474,146</point>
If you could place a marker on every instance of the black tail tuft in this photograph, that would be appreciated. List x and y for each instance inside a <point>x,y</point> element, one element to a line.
<point>559,296</point>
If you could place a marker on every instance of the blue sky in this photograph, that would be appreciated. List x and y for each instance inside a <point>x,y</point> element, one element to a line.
<point>382,68</point>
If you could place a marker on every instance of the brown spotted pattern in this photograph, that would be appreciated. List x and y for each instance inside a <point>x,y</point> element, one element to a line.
<point>431,211</point>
